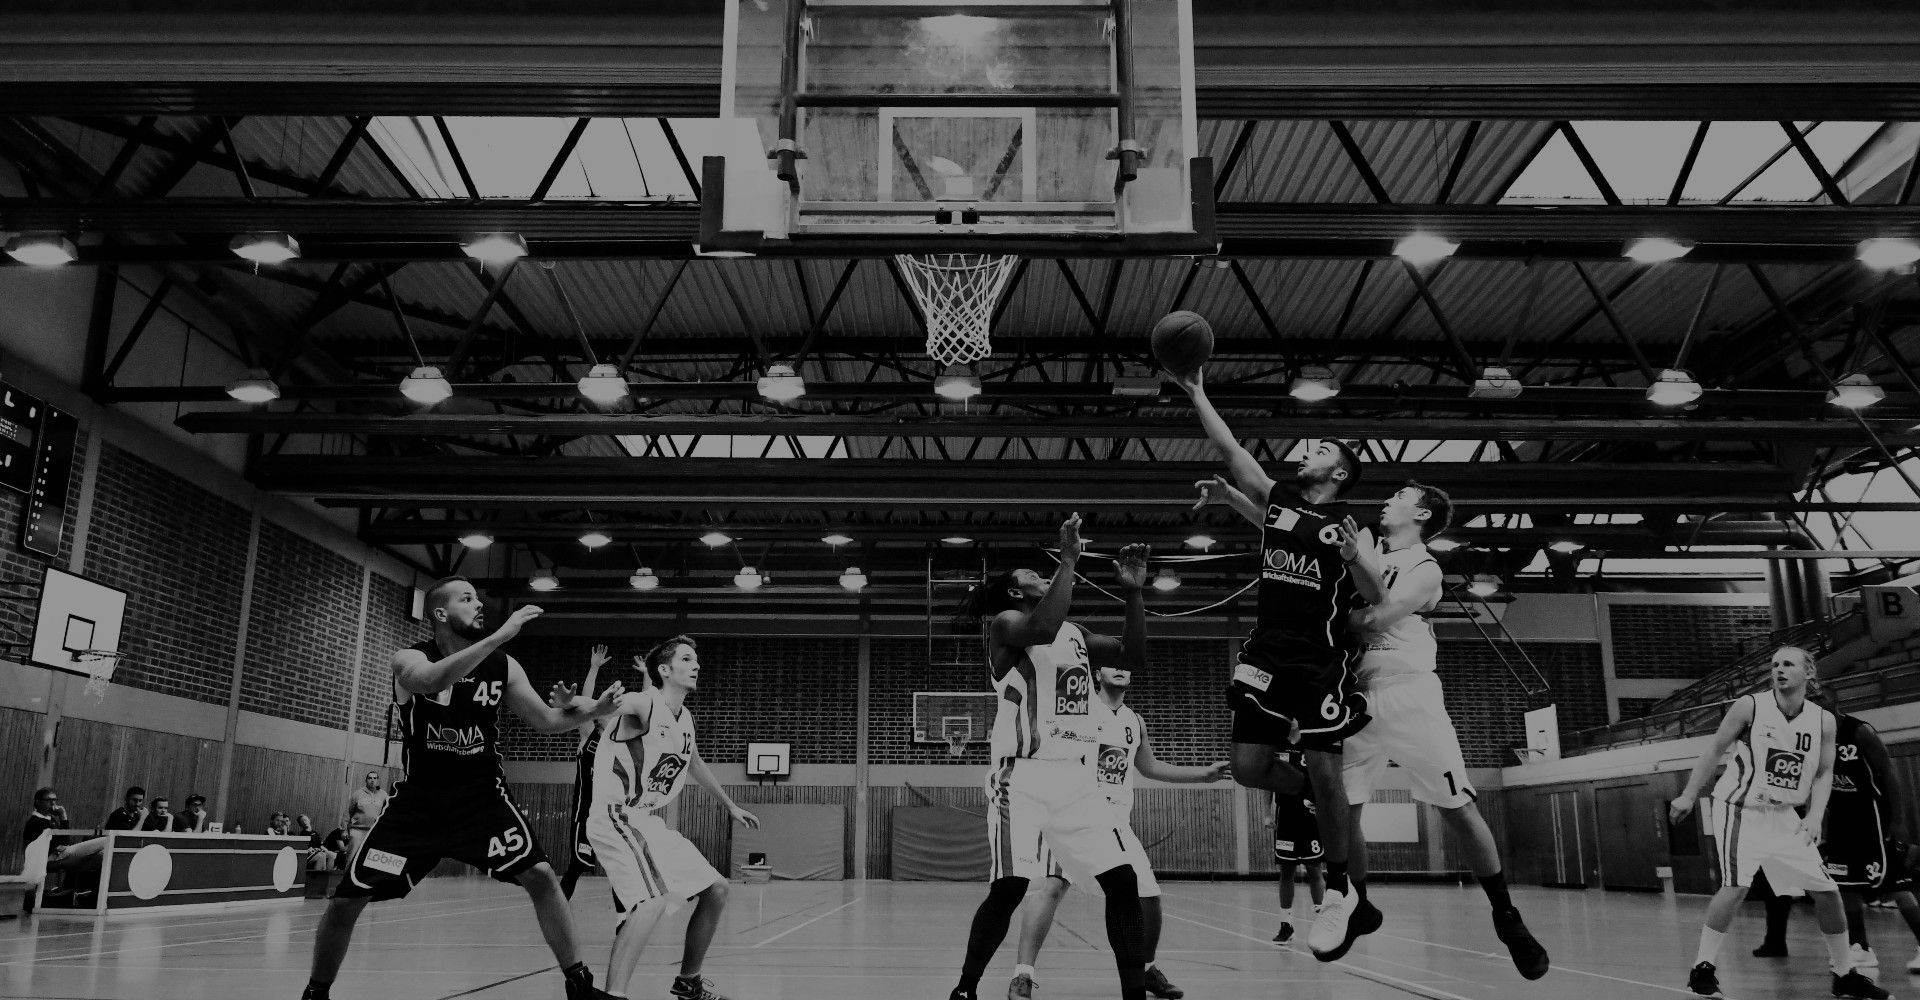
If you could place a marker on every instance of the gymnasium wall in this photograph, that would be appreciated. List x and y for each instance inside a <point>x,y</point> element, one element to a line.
<point>1683,641</point>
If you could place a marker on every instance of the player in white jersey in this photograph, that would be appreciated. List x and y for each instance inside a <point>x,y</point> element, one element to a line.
<point>646,753</point>
<point>1782,760</point>
<point>1410,723</point>
<point>1041,792</point>
<point>1124,749</point>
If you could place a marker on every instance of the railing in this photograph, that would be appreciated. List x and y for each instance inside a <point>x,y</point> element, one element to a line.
<point>1748,671</point>
<point>1849,693</point>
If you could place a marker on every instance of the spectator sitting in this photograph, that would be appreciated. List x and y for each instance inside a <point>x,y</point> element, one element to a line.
<point>131,815</point>
<point>37,835</point>
<point>305,829</point>
<point>161,819</point>
<point>48,814</point>
<point>194,819</point>
<point>278,825</point>
<point>338,842</point>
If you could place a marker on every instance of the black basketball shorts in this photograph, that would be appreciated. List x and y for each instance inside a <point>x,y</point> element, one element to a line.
<point>1854,852</point>
<point>1281,680</point>
<point>1296,831</point>
<point>478,824</point>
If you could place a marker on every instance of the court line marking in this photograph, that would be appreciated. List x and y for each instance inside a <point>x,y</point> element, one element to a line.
<point>252,916</point>
<point>503,982</point>
<point>1488,955</point>
<point>1380,978</point>
<point>822,916</point>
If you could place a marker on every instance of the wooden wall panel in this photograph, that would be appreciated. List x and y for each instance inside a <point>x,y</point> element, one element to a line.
<point>267,781</point>
<point>19,776</point>
<point>97,761</point>
<point>1187,830</point>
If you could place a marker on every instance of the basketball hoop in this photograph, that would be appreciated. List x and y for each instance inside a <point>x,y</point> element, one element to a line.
<point>956,744</point>
<point>99,666</point>
<point>957,292</point>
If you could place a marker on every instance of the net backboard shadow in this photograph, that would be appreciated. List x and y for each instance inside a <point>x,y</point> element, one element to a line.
<point>910,126</point>
<point>77,628</point>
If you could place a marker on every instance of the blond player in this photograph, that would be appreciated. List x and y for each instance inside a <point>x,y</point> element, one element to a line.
<point>1782,759</point>
<point>646,752</point>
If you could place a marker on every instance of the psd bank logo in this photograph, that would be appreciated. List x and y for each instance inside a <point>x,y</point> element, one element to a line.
<point>1072,690</point>
<point>660,780</point>
<point>1113,765</point>
<point>1784,768</point>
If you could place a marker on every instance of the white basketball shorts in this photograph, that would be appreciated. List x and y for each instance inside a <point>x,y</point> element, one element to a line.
<point>1753,839</point>
<point>1036,805</point>
<point>644,858</point>
<point>1411,728</point>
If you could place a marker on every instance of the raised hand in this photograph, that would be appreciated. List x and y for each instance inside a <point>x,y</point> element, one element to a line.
<point>608,700</point>
<point>1189,381</point>
<point>599,658</point>
<point>1215,490</point>
<point>1349,540</point>
<point>1130,569</point>
<point>521,615</point>
<point>1071,544</point>
<point>562,695</point>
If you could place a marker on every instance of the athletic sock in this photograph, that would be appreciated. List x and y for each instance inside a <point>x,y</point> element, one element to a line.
<point>1023,970</point>
<point>1779,908</point>
<point>1710,945</point>
<point>1838,958</point>
<point>1124,930</point>
<point>317,990</point>
<point>1495,886</point>
<point>1337,877</point>
<point>990,927</point>
<point>1360,888</point>
<point>578,974</point>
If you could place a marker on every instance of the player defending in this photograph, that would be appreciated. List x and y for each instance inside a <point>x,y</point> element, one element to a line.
<point>1410,727</point>
<point>1296,842</point>
<point>582,860</point>
<point>1044,744</point>
<point>646,752</point>
<point>1295,683</point>
<point>1124,749</point>
<point>1782,758</point>
<point>453,801</point>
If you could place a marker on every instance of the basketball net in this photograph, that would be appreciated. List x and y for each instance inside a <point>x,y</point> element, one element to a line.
<point>957,292</point>
<point>957,744</point>
<point>99,665</point>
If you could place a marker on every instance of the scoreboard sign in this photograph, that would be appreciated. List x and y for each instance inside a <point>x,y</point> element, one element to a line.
<point>36,458</point>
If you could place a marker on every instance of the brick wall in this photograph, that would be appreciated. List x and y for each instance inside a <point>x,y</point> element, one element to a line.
<point>180,553</point>
<point>389,629</point>
<point>1680,641</point>
<point>1488,706</point>
<point>301,630</point>
<point>1636,708</point>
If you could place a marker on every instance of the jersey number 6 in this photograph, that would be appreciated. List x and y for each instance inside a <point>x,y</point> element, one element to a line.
<point>1330,708</point>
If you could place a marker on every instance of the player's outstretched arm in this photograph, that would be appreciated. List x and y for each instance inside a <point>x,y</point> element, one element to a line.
<point>542,715</point>
<point>1881,764</point>
<point>1150,765</point>
<point>1022,628</point>
<point>1246,471</point>
<point>1361,554</point>
<point>1816,817</point>
<point>1130,650</point>
<point>595,660</point>
<point>1417,588</point>
<point>704,775</point>
<point>1737,719</point>
<point>416,674</point>
<point>1219,490</point>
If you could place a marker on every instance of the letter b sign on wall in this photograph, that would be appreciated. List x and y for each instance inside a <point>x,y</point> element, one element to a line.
<point>1892,612</point>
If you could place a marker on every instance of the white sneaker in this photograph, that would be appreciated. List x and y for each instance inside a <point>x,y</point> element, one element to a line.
<point>1330,923</point>
<point>1863,958</point>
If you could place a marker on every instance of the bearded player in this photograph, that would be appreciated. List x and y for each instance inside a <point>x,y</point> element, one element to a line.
<point>1295,683</point>
<point>1042,793</point>
<point>453,801</point>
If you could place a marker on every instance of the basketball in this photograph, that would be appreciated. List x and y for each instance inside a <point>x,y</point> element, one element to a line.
<point>1182,342</point>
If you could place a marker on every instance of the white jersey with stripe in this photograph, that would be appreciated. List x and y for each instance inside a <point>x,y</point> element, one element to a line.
<point>1407,646</point>
<point>1774,761</point>
<point>1045,709</point>
<point>666,751</point>
<point>1121,734</point>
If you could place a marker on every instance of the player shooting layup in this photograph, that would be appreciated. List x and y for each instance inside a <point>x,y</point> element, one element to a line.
<point>1041,791</point>
<point>453,801</point>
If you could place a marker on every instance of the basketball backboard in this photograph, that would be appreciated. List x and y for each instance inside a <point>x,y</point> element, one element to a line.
<point>990,126</point>
<point>78,625</point>
<point>943,716</point>
<point>769,760</point>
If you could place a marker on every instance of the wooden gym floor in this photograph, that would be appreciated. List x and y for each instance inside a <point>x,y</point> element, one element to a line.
<point>470,937</point>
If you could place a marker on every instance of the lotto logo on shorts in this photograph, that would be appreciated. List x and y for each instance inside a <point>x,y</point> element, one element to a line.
<point>1783,768</point>
<point>1836,870</point>
<point>1283,845</point>
<point>1252,676</point>
<point>383,861</point>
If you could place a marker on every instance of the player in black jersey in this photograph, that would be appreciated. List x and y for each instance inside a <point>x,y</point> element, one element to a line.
<point>453,802</point>
<point>1295,683</point>
<point>583,860</point>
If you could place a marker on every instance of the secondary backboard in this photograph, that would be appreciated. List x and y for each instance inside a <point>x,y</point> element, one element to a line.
<point>769,760</point>
<point>78,625</point>
<point>945,716</point>
<point>912,126</point>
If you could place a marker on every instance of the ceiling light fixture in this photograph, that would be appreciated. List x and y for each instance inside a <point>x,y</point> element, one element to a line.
<point>265,248</point>
<point>1567,546</point>
<point>543,580</point>
<point>476,540</point>
<point>426,386</point>
<point>1495,382</point>
<point>498,249</point>
<point>836,539</point>
<point>1137,386</point>
<point>715,539</point>
<point>643,579</point>
<point>748,578</point>
<point>1674,387</point>
<point>1201,542</point>
<point>595,539</point>
<point>1442,545</point>
<point>1855,391</point>
<point>42,249</point>
<point>1166,580</point>
<point>254,387</point>
<point>956,540</point>
<point>1484,585</point>
<point>958,383</point>
<point>782,384</point>
<point>603,384</point>
<point>1881,254</point>
<point>1314,383</point>
<point>1424,248</point>
<point>1656,250</point>
<point>853,579</point>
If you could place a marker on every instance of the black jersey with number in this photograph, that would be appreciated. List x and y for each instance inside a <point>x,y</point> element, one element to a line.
<point>1852,776</point>
<point>451,738</point>
<point>1306,589</point>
